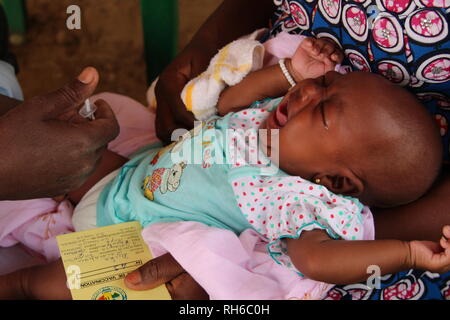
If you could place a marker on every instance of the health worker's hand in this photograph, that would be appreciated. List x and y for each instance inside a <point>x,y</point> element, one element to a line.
<point>47,148</point>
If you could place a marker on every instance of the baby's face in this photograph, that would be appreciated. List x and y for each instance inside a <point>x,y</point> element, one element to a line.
<point>320,117</point>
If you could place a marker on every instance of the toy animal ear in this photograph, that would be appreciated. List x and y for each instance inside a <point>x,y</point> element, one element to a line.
<point>164,181</point>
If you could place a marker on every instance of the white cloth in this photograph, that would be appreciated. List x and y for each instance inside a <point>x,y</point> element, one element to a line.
<point>227,68</point>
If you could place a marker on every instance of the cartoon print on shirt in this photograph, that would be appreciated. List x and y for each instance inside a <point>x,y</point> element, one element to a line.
<point>207,157</point>
<point>162,152</point>
<point>164,179</point>
<point>208,144</point>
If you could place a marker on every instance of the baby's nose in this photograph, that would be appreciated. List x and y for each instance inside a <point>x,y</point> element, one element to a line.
<point>305,96</point>
<point>311,91</point>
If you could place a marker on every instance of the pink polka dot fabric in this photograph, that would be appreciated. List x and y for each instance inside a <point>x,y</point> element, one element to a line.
<point>281,207</point>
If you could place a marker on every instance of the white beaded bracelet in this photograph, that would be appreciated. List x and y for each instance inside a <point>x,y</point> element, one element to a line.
<point>286,73</point>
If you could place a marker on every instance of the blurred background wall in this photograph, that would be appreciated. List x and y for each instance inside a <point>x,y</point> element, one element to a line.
<point>110,39</point>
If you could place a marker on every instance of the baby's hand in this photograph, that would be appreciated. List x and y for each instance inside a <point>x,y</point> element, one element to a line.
<point>314,58</point>
<point>432,256</point>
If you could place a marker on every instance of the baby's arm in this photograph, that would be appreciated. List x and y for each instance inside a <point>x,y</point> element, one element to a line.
<point>313,58</point>
<point>320,258</point>
<point>264,83</point>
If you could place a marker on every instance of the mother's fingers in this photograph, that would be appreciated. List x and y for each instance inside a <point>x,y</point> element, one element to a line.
<point>184,287</point>
<point>168,97</point>
<point>154,273</point>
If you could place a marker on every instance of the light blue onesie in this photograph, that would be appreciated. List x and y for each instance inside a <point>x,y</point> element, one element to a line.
<point>161,185</point>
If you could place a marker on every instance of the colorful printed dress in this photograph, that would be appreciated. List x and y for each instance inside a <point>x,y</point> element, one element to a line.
<point>218,175</point>
<point>408,42</point>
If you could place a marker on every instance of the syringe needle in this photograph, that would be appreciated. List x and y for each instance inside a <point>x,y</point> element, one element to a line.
<point>88,110</point>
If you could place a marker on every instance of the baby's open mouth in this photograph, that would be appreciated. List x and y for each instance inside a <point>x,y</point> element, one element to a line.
<point>278,117</point>
<point>281,114</point>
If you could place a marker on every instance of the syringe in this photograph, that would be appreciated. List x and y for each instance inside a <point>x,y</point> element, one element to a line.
<point>88,110</point>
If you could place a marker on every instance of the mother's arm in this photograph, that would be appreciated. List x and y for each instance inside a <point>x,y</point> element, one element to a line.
<point>420,220</point>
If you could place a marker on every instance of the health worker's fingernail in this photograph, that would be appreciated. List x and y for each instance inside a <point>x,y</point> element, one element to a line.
<point>134,278</point>
<point>86,76</point>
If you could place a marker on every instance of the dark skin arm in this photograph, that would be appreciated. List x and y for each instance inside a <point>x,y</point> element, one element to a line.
<point>313,58</point>
<point>321,258</point>
<point>109,162</point>
<point>267,82</point>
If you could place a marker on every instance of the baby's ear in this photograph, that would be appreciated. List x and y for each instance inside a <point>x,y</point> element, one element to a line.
<point>341,183</point>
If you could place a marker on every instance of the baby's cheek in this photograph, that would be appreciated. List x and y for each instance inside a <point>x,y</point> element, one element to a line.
<point>299,152</point>
<point>288,155</point>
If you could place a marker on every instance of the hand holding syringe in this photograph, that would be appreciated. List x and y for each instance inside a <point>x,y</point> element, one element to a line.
<point>88,110</point>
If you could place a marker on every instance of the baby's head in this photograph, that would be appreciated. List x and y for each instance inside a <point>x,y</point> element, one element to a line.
<point>360,135</point>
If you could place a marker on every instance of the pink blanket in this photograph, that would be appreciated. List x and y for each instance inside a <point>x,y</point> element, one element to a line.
<point>229,267</point>
<point>238,267</point>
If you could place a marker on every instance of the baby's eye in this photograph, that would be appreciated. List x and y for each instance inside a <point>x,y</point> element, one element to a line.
<point>322,111</point>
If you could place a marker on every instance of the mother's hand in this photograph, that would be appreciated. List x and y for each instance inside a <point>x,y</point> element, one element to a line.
<point>166,270</point>
<point>47,150</point>
<point>171,114</point>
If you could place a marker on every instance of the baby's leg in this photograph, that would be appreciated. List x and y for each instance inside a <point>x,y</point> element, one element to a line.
<point>46,282</point>
<point>109,162</point>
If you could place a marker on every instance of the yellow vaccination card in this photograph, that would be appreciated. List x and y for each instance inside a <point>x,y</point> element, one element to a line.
<point>97,261</point>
